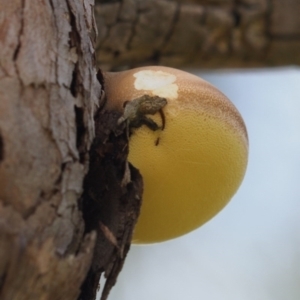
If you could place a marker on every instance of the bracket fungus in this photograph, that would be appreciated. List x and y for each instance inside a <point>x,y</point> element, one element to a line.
<point>193,160</point>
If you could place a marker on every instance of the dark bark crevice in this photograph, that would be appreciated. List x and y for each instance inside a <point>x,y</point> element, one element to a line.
<point>111,201</point>
<point>1,148</point>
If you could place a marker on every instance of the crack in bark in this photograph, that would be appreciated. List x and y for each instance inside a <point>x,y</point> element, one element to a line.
<point>173,24</point>
<point>1,148</point>
<point>19,35</point>
<point>109,27</point>
<point>80,133</point>
<point>55,24</point>
<point>18,46</point>
<point>133,30</point>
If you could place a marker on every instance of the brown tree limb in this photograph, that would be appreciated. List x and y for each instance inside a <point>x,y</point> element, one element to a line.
<point>198,33</point>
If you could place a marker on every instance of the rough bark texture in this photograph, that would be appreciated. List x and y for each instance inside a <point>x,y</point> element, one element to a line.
<point>198,33</point>
<point>49,101</point>
<point>47,75</point>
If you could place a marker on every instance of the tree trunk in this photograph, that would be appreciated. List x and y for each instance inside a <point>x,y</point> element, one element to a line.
<point>48,87</point>
<point>198,33</point>
<point>49,102</point>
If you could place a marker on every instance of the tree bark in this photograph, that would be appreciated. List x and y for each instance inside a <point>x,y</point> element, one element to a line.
<point>198,33</point>
<point>47,80</point>
<point>51,104</point>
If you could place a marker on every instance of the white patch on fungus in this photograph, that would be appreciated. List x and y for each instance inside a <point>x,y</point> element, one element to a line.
<point>160,83</point>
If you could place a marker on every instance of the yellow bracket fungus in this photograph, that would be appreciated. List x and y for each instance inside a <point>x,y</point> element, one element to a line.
<point>191,166</point>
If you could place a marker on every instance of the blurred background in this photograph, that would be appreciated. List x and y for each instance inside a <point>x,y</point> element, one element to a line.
<point>251,249</point>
